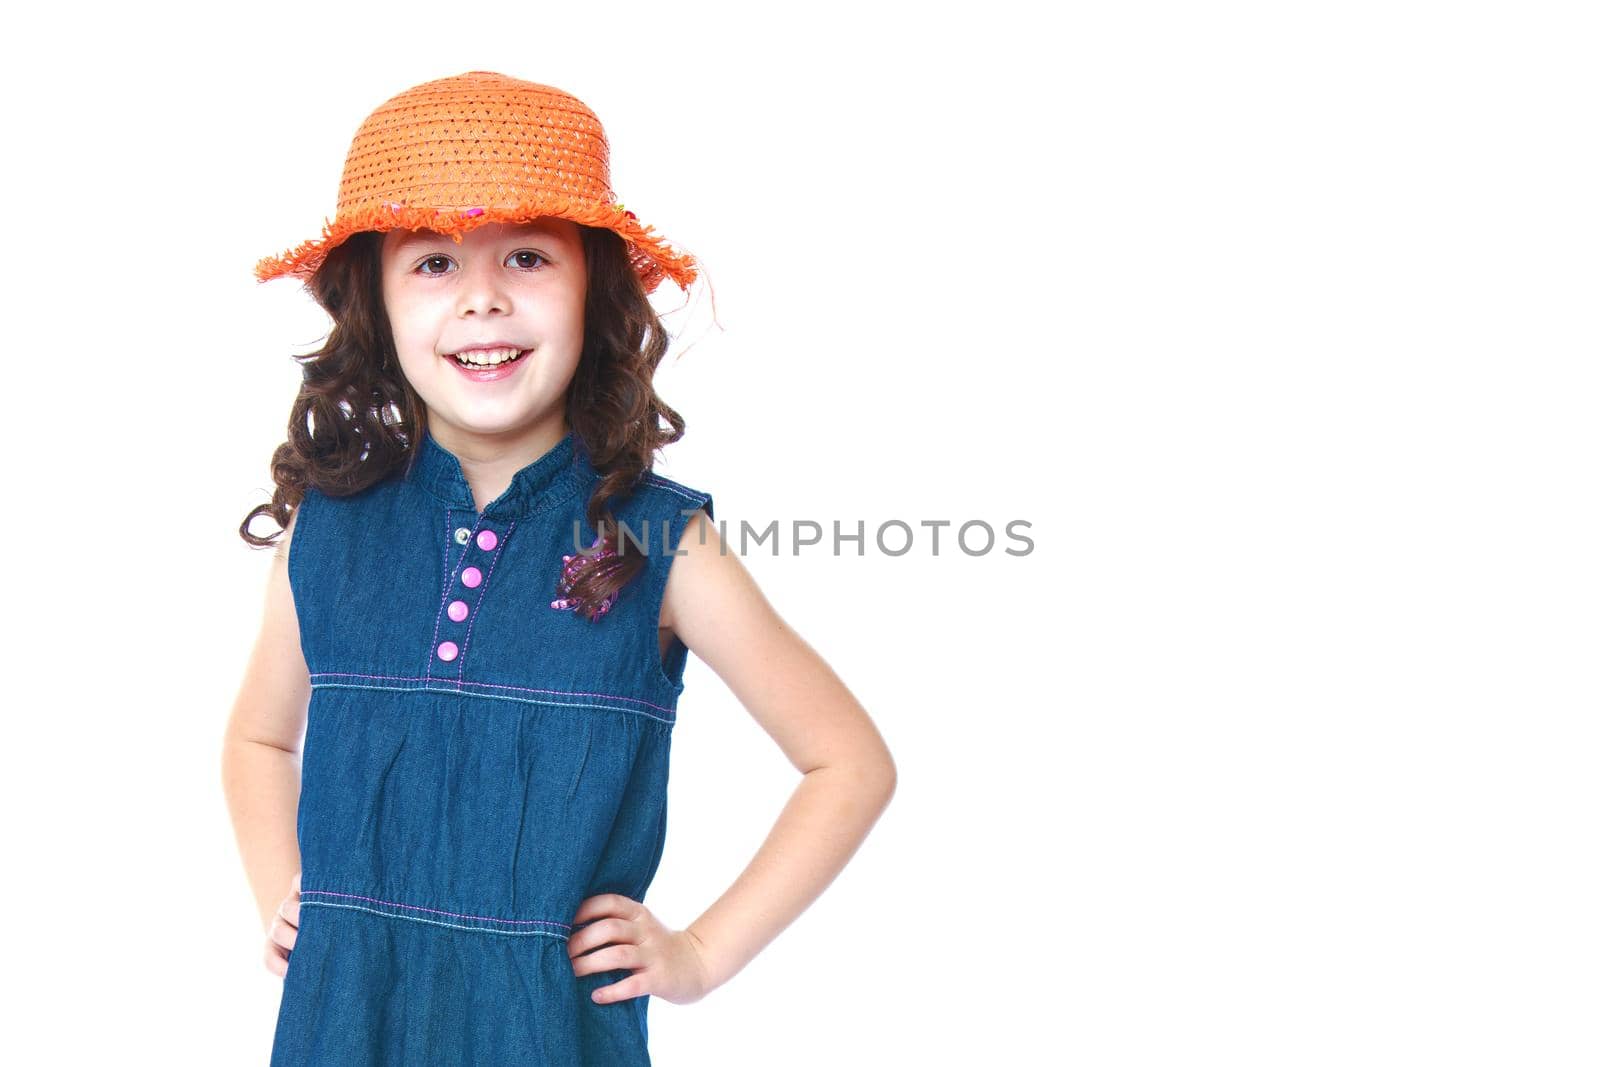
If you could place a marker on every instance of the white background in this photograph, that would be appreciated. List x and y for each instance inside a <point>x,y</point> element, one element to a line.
<point>1276,321</point>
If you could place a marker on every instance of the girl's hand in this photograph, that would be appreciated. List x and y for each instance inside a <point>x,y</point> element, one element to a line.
<point>669,964</point>
<point>281,934</point>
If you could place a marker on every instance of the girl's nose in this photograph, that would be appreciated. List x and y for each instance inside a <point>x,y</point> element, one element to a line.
<point>482,292</point>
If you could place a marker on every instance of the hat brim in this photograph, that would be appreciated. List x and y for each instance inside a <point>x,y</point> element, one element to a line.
<point>652,259</point>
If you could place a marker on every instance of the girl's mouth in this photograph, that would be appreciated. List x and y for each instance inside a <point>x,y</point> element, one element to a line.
<point>489,372</point>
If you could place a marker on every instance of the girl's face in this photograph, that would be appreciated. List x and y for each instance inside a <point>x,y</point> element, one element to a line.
<point>508,285</point>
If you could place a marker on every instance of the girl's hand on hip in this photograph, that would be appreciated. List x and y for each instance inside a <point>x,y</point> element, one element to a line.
<point>285,926</point>
<point>669,964</point>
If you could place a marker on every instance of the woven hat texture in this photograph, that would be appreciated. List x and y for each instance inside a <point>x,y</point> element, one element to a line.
<point>453,154</point>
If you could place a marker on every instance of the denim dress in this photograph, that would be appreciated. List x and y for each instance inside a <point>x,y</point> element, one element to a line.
<point>476,763</point>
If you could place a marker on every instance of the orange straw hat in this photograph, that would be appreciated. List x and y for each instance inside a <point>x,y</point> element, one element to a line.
<point>453,154</point>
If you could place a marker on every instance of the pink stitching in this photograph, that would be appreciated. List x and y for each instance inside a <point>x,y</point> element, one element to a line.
<point>444,586</point>
<point>499,547</point>
<point>436,911</point>
<point>444,590</point>
<point>453,687</point>
<point>490,685</point>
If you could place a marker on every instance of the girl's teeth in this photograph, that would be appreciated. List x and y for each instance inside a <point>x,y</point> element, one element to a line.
<point>488,359</point>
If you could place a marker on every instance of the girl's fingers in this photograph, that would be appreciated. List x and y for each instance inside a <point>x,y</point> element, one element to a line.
<point>635,985</point>
<point>607,904</point>
<point>276,960</point>
<point>284,930</point>
<point>599,933</point>
<point>281,933</point>
<point>610,958</point>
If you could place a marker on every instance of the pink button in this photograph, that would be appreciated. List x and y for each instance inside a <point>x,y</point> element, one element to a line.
<point>447,650</point>
<point>471,577</point>
<point>457,610</point>
<point>487,540</point>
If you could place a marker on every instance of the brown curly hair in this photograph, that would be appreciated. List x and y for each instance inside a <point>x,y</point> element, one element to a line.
<point>353,421</point>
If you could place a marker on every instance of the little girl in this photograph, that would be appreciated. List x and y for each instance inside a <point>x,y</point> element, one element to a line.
<point>476,619</point>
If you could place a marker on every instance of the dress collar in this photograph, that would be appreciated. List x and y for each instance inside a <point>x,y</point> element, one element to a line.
<point>544,483</point>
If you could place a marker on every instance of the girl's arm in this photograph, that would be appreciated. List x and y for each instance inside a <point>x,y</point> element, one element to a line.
<point>714,606</point>
<point>261,747</point>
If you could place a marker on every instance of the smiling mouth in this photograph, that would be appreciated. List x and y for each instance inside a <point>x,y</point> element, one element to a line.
<point>486,363</point>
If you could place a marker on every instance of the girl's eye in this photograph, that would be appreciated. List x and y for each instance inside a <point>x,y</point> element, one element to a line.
<point>526,252</point>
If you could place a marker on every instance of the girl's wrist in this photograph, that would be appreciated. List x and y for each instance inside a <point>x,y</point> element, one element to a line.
<point>709,966</point>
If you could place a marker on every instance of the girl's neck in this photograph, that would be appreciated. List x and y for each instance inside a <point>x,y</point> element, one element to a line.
<point>490,462</point>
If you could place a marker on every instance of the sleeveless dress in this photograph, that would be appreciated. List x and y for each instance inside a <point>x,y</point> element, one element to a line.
<point>476,763</point>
